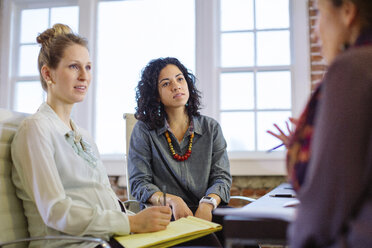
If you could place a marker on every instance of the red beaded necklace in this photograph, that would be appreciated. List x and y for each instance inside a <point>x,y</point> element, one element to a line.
<point>174,154</point>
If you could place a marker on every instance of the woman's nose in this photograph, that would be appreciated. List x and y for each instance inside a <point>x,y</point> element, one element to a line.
<point>176,86</point>
<point>83,75</point>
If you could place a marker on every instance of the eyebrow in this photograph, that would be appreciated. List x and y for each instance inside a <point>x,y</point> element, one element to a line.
<point>168,78</point>
<point>79,62</point>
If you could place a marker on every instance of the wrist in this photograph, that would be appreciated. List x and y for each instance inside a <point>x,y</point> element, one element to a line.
<point>205,205</point>
<point>132,223</point>
<point>209,200</point>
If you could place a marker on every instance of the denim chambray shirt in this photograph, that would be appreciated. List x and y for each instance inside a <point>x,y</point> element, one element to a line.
<point>206,171</point>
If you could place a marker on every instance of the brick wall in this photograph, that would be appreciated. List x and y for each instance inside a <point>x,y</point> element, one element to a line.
<point>318,66</point>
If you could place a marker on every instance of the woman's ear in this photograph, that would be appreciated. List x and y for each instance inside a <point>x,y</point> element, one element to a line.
<point>349,11</point>
<point>46,73</point>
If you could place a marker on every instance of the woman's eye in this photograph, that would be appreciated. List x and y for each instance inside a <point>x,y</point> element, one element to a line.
<point>88,67</point>
<point>180,79</point>
<point>74,66</point>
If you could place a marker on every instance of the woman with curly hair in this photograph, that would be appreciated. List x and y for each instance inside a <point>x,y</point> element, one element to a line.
<point>172,145</point>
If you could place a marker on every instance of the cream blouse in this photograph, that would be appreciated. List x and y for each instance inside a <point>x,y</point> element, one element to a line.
<point>62,182</point>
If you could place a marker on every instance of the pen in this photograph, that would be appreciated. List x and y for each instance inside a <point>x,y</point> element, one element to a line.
<point>274,148</point>
<point>283,195</point>
<point>164,195</point>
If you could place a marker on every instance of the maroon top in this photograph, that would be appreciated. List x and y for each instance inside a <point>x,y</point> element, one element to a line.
<point>336,197</point>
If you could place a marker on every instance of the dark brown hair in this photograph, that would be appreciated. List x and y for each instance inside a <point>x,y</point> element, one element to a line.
<point>149,109</point>
<point>364,8</point>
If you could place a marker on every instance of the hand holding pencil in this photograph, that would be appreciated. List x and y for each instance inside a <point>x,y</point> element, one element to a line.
<point>285,138</point>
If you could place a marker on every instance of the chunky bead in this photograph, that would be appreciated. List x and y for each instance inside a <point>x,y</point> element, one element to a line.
<point>174,154</point>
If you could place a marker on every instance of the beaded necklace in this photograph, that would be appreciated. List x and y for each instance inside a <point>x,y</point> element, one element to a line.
<point>173,152</point>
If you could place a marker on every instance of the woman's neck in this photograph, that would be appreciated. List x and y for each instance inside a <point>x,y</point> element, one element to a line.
<point>63,111</point>
<point>178,121</point>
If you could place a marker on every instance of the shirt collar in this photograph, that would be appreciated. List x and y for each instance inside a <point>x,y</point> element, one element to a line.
<point>60,126</point>
<point>194,127</point>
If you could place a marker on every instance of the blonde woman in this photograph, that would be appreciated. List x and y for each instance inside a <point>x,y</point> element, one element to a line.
<point>57,168</point>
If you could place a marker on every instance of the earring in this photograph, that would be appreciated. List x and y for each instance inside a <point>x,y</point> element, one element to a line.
<point>159,110</point>
<point>187,104</point>
<point>345,46</point>
<point>49,82</point>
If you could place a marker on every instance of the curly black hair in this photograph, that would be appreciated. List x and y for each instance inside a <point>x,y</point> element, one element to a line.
<point>147,94</point>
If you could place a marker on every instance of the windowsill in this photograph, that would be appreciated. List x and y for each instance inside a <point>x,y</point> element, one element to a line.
<point>241,164</point>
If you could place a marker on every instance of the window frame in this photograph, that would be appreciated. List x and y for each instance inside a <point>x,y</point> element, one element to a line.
<point>206,64</point>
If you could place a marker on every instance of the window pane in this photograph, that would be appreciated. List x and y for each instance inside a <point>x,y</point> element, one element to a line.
<point>148,30</point>
<point>265,121</point>
<point>237,49</point>
<point>272,14</point>
<point>237,91</point>
<point>238,130</point>
<point>28,96</point>
<point>66,15</point>
<point>274,90</point>
<point>28,60</point>
<point>33,22</point>
<point>273,48</point>
<point>236,15</point>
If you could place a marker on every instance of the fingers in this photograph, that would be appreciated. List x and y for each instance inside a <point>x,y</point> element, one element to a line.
<point>274,134</point>
<point>164,209</point>
<point>278,128</point>
<point>289,130</point>
<point>181,211</point>
<point>178,214</point>
<point>294,121</point>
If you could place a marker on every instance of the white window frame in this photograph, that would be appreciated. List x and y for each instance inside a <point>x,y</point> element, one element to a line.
<point>207,68</point>
<point>207,71</point>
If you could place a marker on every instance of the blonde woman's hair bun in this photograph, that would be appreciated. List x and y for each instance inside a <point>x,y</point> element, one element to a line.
<point>58,29</point>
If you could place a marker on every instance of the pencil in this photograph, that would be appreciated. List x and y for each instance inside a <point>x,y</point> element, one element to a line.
<point>276,147</point>
<point>164,195</point>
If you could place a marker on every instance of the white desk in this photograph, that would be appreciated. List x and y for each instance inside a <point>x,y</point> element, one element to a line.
<point>263,221</point>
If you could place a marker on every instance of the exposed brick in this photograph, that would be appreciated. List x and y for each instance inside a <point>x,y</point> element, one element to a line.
<point>248,192</point>
<point>113,180</point>
<point>318,68</point>
<point>312,12</point>
<point>261,192</point>
<point>235,191</point>
<point>236,203</point>
<point>315,49</point>
<point>317,77</point>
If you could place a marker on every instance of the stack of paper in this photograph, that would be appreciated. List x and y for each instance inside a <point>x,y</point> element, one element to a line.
<point>177,232</point>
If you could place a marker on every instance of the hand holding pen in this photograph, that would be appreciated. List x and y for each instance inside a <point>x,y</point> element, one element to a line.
<point>164,189</point>
<point>285,138</point>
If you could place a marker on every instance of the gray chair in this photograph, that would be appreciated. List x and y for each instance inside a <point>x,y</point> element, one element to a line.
<point>131,204</point>
<point>14,226</point>
<point>130,121</point>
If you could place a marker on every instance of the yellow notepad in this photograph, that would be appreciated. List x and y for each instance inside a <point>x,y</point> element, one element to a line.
<point>177,232</point>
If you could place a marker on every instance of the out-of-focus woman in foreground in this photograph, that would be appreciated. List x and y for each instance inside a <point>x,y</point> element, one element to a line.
<point>336,195</point>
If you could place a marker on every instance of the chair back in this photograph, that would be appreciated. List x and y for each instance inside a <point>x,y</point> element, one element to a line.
<point>130,121</point>
<point>13,221</point>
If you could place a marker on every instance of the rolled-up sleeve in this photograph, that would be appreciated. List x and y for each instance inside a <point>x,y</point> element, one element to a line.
<point>220,178</point>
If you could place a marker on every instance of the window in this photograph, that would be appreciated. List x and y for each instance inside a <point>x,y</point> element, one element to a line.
<point>28,93</point>
<point>252,70</point>
<point>255,71</point>
<point>144,30</point>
